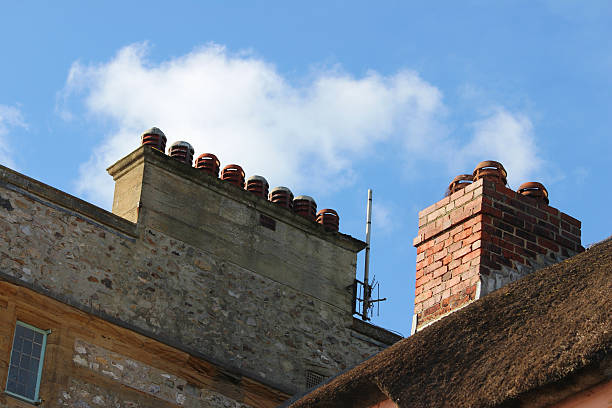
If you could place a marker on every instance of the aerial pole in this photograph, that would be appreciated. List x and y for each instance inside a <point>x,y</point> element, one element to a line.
<point>366,274</point>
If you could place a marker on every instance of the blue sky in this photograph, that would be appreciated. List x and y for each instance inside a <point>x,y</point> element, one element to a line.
<point>329,98</point>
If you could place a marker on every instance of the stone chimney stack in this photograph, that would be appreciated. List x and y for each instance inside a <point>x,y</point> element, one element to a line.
<point>482,236</point>
<point>165,194</point>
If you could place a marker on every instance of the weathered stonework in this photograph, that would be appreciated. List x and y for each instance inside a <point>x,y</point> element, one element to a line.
<point>189,295</point>
<point>88,360</point>
<point>144,378</point>
<point>81,394</point>
<point>225,221</point>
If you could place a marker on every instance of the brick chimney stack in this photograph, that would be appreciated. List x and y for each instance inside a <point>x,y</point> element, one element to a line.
<point>483,236</point>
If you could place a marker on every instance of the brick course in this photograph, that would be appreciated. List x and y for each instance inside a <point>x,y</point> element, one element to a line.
<point>485,234</point>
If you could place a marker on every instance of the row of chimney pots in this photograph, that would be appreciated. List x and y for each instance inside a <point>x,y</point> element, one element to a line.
<point>303,205</point>
<point>494,171</point>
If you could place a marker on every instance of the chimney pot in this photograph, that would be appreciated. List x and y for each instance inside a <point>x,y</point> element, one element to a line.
<point>491,170</point>
<point>329,219</point>
<point>182,151</point>
<point>459,182</point>
<point>234,174</point>
<point>258,186</point>
<point>155,138</point>
<point>535,190</point>
<point>281,196</point>
<point>208,163</point>
<point>305,206</point>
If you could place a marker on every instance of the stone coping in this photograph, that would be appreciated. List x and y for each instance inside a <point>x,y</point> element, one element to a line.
<point>34,188</point>
<point>375,332</point>
<point>155,157</point>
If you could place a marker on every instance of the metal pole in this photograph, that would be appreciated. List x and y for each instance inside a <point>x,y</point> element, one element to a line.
<point>366,273</point>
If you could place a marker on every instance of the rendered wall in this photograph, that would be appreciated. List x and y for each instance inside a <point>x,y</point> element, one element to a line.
<point>385,404</point>
<point>599,396</point>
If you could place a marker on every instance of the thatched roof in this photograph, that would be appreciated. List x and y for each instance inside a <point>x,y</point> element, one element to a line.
<point>528,335</point>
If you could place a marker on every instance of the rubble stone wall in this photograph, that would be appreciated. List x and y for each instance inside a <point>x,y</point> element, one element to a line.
<point>175,292</point>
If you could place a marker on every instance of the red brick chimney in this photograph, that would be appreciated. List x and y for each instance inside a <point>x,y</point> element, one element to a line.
<point>483,236</point>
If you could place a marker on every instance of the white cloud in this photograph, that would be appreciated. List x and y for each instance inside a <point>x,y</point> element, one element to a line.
<point>386,216</point>
<point>580,174</point>
<point>310,137</point>
<point>240,108</point>
<point>9,117</point>
<point>507,138</point>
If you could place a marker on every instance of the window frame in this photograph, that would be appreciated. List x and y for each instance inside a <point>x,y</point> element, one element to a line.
<point>44,333</point>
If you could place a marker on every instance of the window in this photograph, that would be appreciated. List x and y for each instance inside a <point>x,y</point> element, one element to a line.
<point>26,363</point>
